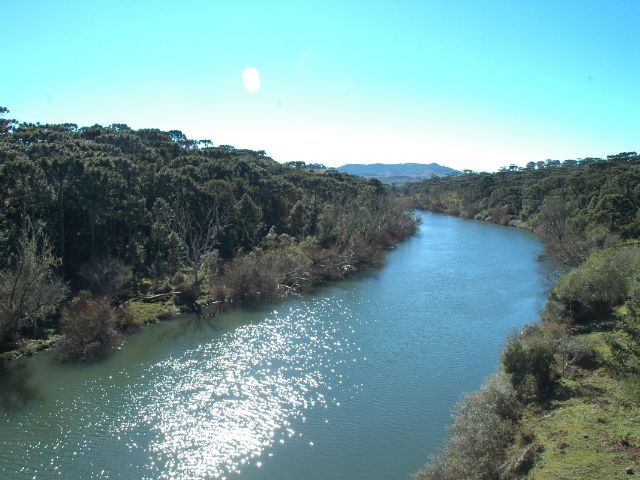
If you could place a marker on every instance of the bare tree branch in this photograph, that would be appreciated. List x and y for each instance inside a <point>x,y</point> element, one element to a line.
<point>198,237</point>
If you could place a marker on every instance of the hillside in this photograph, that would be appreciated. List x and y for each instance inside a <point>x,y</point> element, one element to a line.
<point>94,217</point>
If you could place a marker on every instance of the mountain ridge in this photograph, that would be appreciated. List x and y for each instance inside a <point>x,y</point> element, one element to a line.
<point>391,171</point>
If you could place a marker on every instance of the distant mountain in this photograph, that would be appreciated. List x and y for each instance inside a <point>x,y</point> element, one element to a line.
<point>399,172</point>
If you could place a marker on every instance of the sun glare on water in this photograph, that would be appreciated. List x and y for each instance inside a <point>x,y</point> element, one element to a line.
<point>251,79</point>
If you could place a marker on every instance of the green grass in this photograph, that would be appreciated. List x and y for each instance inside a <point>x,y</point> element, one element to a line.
<point>139,313</point>
<point>590,429</point>
<point>32,346</point>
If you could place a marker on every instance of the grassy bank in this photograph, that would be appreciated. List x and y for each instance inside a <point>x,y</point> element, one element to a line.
<point>589,428</point>
<point>565,402</point>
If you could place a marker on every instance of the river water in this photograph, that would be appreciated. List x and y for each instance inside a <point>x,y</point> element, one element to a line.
<point>354,381</point>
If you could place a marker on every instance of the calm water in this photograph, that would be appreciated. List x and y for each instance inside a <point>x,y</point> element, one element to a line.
<point>353,382</point>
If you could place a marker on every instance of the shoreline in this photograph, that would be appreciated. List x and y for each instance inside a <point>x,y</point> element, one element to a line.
<point>537,449</point>
<point>148,312</point>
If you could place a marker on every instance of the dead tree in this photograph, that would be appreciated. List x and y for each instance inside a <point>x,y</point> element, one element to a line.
<point>29,287</point>
<point>197,237</point>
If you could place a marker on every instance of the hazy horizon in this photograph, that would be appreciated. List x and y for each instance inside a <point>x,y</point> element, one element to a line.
<point>466,85</point>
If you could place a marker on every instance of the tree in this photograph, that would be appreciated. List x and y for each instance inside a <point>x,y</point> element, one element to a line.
<point>249,221</point>
<point>29,288</point>
<point>5,124</point>
<point>198,237</point>
<point>614,210</point>
<point>559,237</point>
<point>301,218</point>
<point>624,343</point>
<point>62,166</point>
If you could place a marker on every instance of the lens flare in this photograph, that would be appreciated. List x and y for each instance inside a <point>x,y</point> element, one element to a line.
<point>251,79</point>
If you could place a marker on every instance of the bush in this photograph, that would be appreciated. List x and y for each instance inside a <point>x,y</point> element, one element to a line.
<point>624,344</point>
<point>265,275</point>
<point>330,264</point>
<point>633,287</point>
<point>576,351</point>
<point>594,288</point>
<point>484,425</point>
<point>89,328</point>
<point>105,276</point>
<point>529,359</point>
<point>188,295</point>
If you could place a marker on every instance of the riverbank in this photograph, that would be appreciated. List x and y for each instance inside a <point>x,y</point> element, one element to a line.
<point>283,268</point>
<point>573,403</point>
<point>366,369</point>
<point>589,429</point>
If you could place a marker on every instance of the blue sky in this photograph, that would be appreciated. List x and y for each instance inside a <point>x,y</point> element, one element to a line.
<point>468,84</point>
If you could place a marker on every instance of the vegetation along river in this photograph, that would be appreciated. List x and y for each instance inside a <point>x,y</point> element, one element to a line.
<point>354,381</point>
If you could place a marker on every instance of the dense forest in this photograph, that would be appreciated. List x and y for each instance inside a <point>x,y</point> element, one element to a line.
<point>565,400</point>
<point>576,206</point>
<point>105,228</point>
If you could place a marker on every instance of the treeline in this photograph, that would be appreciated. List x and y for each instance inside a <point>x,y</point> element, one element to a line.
<point>589,333</point>
<point>99,215</point>
<point>576,206</point>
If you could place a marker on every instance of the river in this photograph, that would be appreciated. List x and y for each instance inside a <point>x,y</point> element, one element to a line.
<point>354,381</point>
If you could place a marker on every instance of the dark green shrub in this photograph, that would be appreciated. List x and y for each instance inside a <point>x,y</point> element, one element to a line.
<point>529,359</point>
<point>105,276</point>
<point>188,295</point>
<point>624,343</point>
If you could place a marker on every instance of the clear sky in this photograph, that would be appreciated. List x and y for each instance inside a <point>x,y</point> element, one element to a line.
<point>468,84</point>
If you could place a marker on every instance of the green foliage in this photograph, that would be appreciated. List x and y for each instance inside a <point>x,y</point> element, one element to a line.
<point>624,343</point>
<point>138,313</point>
<point>594,288</point>
<point>117,201</point>
<point>566,203</point>
<point>529,361</point>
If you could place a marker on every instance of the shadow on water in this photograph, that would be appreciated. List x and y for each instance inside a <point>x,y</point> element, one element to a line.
<point>15,391</point>
<point>191,325</point>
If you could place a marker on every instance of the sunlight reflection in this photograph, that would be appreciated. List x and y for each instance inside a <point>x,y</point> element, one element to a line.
<point>218,407</point>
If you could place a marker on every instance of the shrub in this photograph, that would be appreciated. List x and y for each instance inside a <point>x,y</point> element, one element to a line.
<point>529,359</point>
<point>596,287</point>
<point>484,425</point>
<point>265,275</point>
<point>633,287</point>
<point>89,328</point>
<point>574,350</point>
<point>330,264</point>
<point>188,295</point>
<point>624,344</point>
<point>105,276</point>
